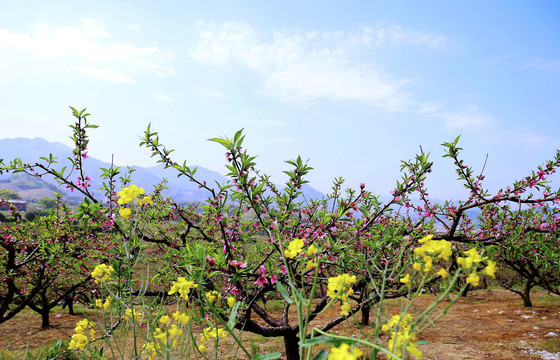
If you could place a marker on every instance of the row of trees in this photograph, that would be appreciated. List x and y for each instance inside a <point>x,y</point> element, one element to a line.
<point>252,241</point>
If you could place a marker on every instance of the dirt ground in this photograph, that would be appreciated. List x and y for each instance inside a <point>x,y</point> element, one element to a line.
<point>488,324</point>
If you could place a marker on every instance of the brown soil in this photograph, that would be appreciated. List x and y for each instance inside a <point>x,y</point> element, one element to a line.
<point>488,324</point>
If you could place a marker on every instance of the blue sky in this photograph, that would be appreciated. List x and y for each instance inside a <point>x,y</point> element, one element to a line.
<point>355,87</point>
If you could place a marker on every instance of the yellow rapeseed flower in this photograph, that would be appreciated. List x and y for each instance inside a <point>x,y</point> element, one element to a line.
<point>211,333</point>
<point>473,257</point>
<point>473,279</point>
<point>164,319</point>
<point>343,352</point>
<point>295,247</point>
<point>183,287</point>
<point>180,317</point>
<point>405,279</point>
<point>231,301</point>
<point>337,285</point>
<point>129,193</point>
<point>401,336</point>
<point>311,250</point>
<point>78,342</point>
<point>84,332</point>
<point>212,296</point>
<point>103,305</point>
<point>490,269</point>
<point>102,272</point>
<point>428,263</point>
<point>311,264</point>
<point>144,200</point>
<point>125,212</point>
<point>441,248</point>
<point>129,315</point>
<point>443,273</point>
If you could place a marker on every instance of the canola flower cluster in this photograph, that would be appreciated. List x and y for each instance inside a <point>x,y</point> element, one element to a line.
<point>473,257</point>
<point>340,287</point>
<point>343,352</point>
<point>103,304</point>
<point>441,249</point>
<point>102,273</point>
<point>183,287</point>
<point>84,332</point>
<point>213,297</point>
<point>295,247</point>
<point>211,334</point>
<point>401,336</point>
<point>166,336</point>
<point>132,315</point>
<point>127,195</point>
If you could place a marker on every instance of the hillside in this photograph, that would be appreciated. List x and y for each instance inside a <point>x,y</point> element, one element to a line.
<point>30,150</point>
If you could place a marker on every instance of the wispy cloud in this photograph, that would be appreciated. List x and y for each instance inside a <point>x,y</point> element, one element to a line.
<point>304,67</point>
<point>212,93</point>
<point>526,137</point>
<point>134,27</point>
<point>470,119</point>
<point>105,74</point>
<point>163,97</point>
<point>542,64</point>
<point>91,47</point>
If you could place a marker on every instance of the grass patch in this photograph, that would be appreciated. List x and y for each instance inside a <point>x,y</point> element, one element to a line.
<point>550,345</point>
<point>51,351</point>
<point>547,300</point>
<point>272,305</point>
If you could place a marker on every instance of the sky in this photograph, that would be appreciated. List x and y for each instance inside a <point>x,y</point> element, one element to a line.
<point>355,87</point>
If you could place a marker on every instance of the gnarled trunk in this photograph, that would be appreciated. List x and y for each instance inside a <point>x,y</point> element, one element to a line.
<point>291,344</point>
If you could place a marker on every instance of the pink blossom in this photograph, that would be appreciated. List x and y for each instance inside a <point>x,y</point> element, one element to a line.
<point>261,281</point>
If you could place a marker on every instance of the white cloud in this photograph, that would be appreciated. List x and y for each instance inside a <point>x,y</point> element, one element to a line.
<point>105,74</point>
<point>305,67</point>
<point>529,138</point>
<point>90,47</point>
<point>134,27</point>
<point>212,93</point>
<point>163,97</point>
<point>471,119</point>
<point>542,64</point>
<point>399,35</point>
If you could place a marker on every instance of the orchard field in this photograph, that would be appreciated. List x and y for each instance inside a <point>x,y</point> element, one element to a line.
<point>260,272</point>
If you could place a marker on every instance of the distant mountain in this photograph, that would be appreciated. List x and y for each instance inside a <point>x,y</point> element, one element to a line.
<point>179,188</point>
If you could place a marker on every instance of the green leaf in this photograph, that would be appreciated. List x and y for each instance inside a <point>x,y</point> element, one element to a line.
<point>271,356</point>
<point>224,142</point>
<point>284,294</point>
<point>233,315</point>
<point>237,136</point>
<point>316,340</point>
<point>322,355</point>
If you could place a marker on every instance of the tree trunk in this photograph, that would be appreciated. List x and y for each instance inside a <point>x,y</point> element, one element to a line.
<point>45,310</point>
<point>466,290</point>
<point>291,346</point>
<point>70,303</point>
<point>365,314</point>
<point>526,295</point>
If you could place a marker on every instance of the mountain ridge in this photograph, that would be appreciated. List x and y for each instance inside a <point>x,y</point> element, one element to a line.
<point>179,188</point>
